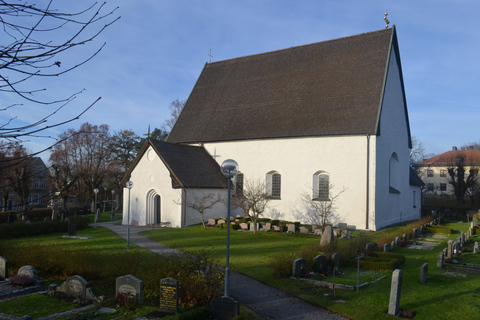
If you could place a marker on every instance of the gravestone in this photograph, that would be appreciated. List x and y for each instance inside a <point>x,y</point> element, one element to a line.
<point>55,211</point>
<point>346,233</point>
<point>267,226</point>
<point>304,230</point>
<point>342,225</point>
<point>252,225</point>
<point>130,285</point>
<point>275,228</point>
<point>299,267</point>
<point>441,260</point>
<point>211,222</point>
<point>392,245</point>
<point>475,248</point>
<point>169,295</point>
<point>371,246</point>
<point>424,273</point>
<point>221,221</point>
<point>405,237</point>
<point>225,308</point>
<point>291,228</point>
<point>30,272</point>
<point>386,247</point>
<point>72,226</point>
<point>462,239</point>
<point>395,291</point>
<point>327,236</point>
<point>244,226</point>
<point>397,241</point>
<point>336,259</point>
<point>3,268</point>
<point>77,287</point>
<point>450,249</point>
<point>415,233</point>
<point>320,261</point>
<point>317,232</point>
<point>352,227</point>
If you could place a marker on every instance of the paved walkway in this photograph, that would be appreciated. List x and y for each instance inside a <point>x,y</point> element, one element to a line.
<point>266,301</point>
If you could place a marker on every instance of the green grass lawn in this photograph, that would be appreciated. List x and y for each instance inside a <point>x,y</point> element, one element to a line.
<point>441,297</point>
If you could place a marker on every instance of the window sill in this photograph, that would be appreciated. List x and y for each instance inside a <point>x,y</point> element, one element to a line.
<point>274,198</point>
<point>318,199</point>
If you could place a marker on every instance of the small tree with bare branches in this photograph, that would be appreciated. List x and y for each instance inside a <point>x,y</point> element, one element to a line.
<point>203,202</point>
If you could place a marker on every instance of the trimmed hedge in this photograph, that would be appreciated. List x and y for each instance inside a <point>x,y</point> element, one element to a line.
<point>377,261</point>
<point>21,229</point>
<point>439,229</point>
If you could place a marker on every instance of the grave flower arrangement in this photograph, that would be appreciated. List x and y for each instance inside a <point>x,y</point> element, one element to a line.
<point>21,281</point>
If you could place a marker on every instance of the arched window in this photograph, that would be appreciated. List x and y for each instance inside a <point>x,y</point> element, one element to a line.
<point>239,183</point>
<point>394,174</point>
<point>321,186</point>
<point>274,184</point>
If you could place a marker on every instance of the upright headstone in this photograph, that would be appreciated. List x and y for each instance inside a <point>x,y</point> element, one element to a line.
<point>320,262</point>
<point>130,285</point>
<point>225,308</point>
<point>77,287</point>
<point>386,247</point>
<point>327,236</point>
<point>243,226</point>
<point>317,232</point>
<point>30,272</point>
<point>395,291</point>
<point>371,246</point>
<point>169,295</point>
<point>475,247</point>
<point>55,210</point>
<point>304,230</point>
<point>392,245</point>
<point>342,225</point>
<point>3,268</point>
<point>424,273</point>
<point>291,228</point>
<point>336,259</point>
<point>441,260</point>
<point>462,239</point>
<point>450,249</point>
<point>397,240</point>
<point>299,267</point>
<point>267,226</point>
<point>405,237</point>
<point>72,226</point>
<point>415,233</point>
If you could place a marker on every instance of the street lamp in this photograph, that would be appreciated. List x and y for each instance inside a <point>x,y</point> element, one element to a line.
<point>113,202</point>
<point>95,191</point>
<point>129,185</point>
<point>229,169</point>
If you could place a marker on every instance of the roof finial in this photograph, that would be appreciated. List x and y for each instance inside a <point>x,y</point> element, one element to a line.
<point>386,20</point>
<point>210,56</point>
<point>148,134</point>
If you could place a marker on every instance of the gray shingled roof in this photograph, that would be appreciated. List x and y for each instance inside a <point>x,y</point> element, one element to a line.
<point>189,166</point>
<point>327,88</point>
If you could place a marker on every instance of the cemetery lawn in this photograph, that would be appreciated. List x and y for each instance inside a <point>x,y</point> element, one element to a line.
<point>447,294</point>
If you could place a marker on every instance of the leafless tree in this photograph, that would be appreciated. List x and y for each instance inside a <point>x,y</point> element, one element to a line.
<point>36,43</point>
<point>176,106</point>
<point>321,212</point>
<point>253,200</point>
<point>202,202</point>
<point>462,176</point>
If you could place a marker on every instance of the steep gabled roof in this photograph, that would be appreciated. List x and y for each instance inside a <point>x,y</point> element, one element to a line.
<point>450,158</point>
<point>189,166</point>
<point>322,89</point>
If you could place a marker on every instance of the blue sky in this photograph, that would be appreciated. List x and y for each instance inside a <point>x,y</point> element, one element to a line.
<point>156,51</point>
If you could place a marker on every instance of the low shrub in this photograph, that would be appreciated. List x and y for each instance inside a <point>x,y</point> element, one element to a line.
<point>282,264</point>
<point>21,281</point>
<point>439,229</point>
<point>21,229</point>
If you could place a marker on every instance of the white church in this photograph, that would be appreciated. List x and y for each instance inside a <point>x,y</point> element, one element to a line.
<point>328,118</point>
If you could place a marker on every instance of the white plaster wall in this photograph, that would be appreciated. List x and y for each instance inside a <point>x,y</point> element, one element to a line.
<point>297,159</point>
<point>390,207</point>
<point>151,174</point>
<point>219,210</point>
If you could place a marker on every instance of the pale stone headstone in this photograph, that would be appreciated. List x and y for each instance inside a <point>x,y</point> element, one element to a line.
<point>397,241</point>
<point>424,273</point>
<point>169,295</point>
<point>386,247</point>
<point>77,287</point>
<point>299,267</point>
<point>276,228</point>
<point>336,259</point>
<point>392,245</point>
<point>225,308</point>
<point>450,249</point>
<point>441,260</point>
<point>317,232</point>
<point>405,237</point>
<point>395,291</point>
<point>3,268</point>
<point>291,228</point>
<point>342,225</point>
<point>304,230</point>
<point>267,226</point>
<point>320,261</point>
<point>211,222</point>
<point>352,227</point>
<point>55,211</point>
<point>244,226</point>
<point>30,272</point>
<point>475,247</point>
<point>327,236</point>
<point>130,285</point>
<point>415,233</point>
<point>221,221</point>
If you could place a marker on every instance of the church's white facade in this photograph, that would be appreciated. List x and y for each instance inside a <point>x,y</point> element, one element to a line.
<point>369,171</point>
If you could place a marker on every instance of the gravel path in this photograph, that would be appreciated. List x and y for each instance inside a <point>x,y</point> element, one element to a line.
<point>267,302</point>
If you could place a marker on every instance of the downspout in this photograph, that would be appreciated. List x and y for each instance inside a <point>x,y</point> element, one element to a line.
<point>184,206</point>
<point>367,208</point>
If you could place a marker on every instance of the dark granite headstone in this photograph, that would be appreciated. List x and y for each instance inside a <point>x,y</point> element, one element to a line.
<point>72,226</point>
<point>225,308</point>
<point>424,273</point>
<point>169,295</point>
<point>130,285</point>
<point>299,267</point>
<point>336,259</point>
<point>320,262</point>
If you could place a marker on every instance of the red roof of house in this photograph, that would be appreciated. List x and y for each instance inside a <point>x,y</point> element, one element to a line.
<point>450,158</point>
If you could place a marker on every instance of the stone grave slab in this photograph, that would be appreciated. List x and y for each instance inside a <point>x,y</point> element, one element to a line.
<point>169,295</point>
<point>130,285</point>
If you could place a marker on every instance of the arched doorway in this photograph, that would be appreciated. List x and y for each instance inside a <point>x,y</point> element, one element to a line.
<point>158,207</point>
<point>154,208</point>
